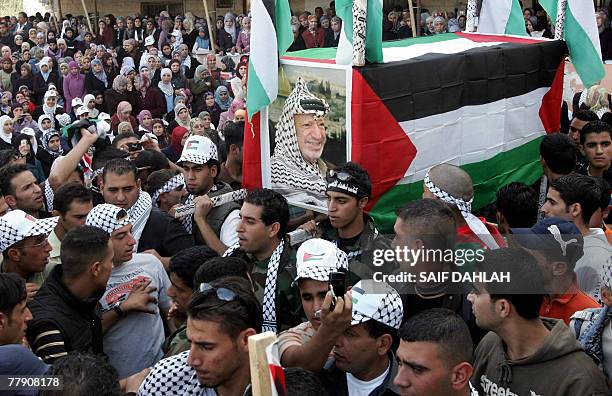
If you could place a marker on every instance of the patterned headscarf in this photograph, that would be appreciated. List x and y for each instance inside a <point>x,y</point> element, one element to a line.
<point>223,104</point>
<point>45,142</point>
<point>291,173</point>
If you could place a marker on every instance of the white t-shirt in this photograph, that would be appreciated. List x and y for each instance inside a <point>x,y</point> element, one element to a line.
<point>590,266</point>
<point>228,234</point>
<point>135,341</point>
<point>357,387</point>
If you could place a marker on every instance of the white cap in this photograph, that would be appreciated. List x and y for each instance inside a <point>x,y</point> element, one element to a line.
<point>149,40</point>
<point>82,110</point>
<point>317,259</point>
<point>77,102</point>
<point>104,116</point>
<point>198,150</point>
<point>376,301</point>
<point>17,225</point>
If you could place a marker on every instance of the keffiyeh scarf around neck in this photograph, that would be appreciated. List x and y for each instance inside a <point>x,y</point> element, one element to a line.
<point>269,299</point>
<point>291,174</point>
<point>139,215</point>
<point>188,220</point>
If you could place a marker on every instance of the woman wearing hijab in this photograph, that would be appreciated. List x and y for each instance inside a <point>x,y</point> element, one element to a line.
<point>6,132</point>
<point>225,40</point>
<point>202,41</point>
<point>212,108</point>
<point>201,83</point>
<point>119,93</point>
<point>167,89</point>
<point>178,79</point>
<point>123,114</point>
<point>49,107</point>
<point>181,117</point>
<point>145,122</point>
<point>43,79</point>
<point>97,79</point>
<point>243,43</point>
<point>23,145</point>
<point>147,97</point>
<point>51,149</point>
<point>89,101</point>
<point>23,76</point>
<point>174,150</point>
<point>228,115</point>
<point>104,34</point>
<point>108,63</point>
<point>45,123</point>
<point>222,98</point>
<point>238,83</point>
<point>74,85</point>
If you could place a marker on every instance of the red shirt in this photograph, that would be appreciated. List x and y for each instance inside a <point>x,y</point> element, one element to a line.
<point>565,305</point>
<point>316,40</point>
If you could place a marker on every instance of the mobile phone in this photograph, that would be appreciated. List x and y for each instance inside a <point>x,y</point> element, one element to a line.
<point>134,147</point>
<point>337,285</point>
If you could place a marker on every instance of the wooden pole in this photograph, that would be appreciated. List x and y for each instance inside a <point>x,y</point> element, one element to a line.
<point>87,16</point>
<point>261,384</point>
<point>418,22</point>
<point>412,19</point>
<point>213,46</point>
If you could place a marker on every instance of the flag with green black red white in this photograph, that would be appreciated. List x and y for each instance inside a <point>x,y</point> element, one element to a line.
<point>482,102</point>
<point>271,34</point>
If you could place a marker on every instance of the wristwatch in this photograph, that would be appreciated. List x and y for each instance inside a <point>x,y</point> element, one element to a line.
<point>117,308</point>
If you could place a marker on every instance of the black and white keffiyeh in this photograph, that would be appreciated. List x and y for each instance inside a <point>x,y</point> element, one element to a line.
<point>465,207</point>
<point>376,301</point>
<point>269,299</point>
<point>49,195</point>
<point>318,258</point>
<point>175,182</point>
<point>48,135</point>
<point>17,225</point>
<point>139,215</point>
<point>107,217</point>
<point>291,174</point>
<point>188,220</point>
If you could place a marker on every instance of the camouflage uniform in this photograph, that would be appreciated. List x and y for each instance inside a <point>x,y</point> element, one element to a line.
<point>288,304</point>
<point>177,342</point>
<point>361,250</point>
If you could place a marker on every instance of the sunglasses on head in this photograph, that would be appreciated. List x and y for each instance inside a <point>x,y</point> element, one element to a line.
<point>223,293</point>
<point>342,176</point>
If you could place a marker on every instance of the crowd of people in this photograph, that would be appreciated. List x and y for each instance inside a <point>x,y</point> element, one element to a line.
<point>124,272</point>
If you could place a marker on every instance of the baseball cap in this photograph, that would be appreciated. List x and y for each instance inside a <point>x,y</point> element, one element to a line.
<point>198,150</point>
<point>107,217</point>
<point>552,234</point>
<point>82,110</point>
<point>149,40</point>
<point>77,102</point>
<point>376,301</point>
<point>317,258</point>
<point>17,225</point>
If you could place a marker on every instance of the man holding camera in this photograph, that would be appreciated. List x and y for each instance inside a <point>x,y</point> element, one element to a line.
<point>309,344</point>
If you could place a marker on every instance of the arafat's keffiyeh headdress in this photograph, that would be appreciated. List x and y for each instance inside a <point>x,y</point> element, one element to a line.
<point>465,207</point>
<point>291,174</point>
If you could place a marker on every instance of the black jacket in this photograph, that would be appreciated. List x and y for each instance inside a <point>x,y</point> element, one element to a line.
<point>164,234</point>
<point>93,84</point>
<point>77,320</point>
<point>334,380</point>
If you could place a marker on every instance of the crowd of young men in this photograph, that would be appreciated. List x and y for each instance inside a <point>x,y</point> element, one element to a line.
<point>122,272</point>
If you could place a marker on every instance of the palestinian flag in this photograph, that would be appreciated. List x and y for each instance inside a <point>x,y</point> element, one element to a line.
<point>502,16</point>
<point>482,102</point>
<point>271,34</point>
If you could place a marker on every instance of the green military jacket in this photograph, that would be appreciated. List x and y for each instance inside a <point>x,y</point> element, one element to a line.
<point>289,311</point>
<point>360,250</point>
